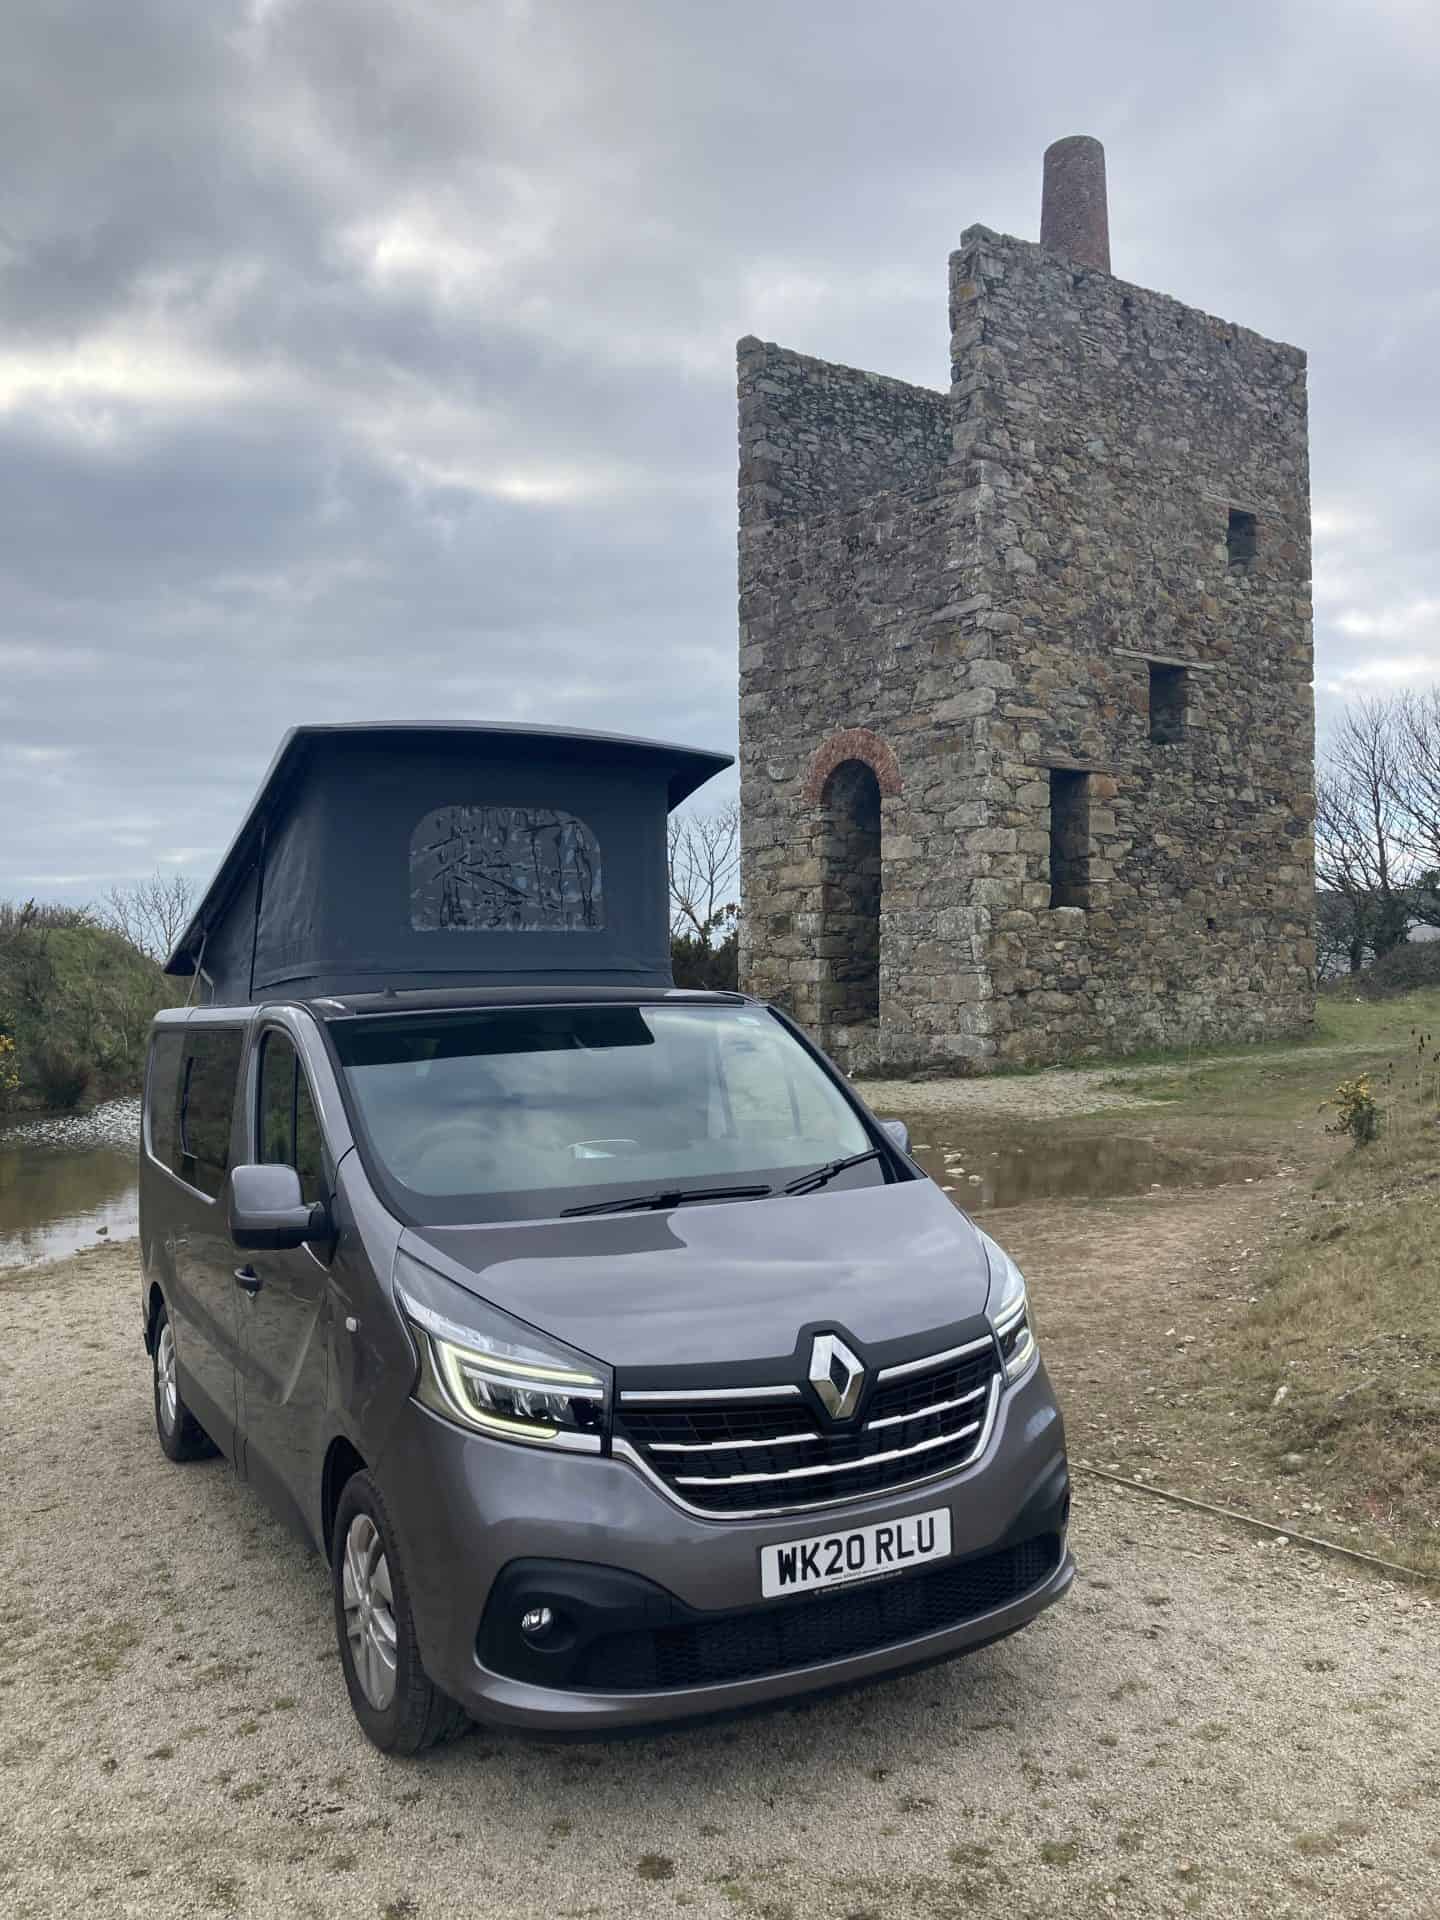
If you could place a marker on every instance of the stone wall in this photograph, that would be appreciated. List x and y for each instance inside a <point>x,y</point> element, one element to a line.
<point>1117,430</point>
<point>814,436</point>
<point>859,641</point>
<point>990,614</point>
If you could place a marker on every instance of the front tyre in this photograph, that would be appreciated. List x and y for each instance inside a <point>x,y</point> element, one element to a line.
<point>181,1435</point>
<point>395,1702</point>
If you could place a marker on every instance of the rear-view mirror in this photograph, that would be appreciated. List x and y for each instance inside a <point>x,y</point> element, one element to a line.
<point>898,1132</point>
<point>267,1210</point>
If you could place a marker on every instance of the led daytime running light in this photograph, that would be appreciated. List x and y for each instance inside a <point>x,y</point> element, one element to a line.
<point>448,1334</point>
<point>455,1365</point>
<point>495,1376</point>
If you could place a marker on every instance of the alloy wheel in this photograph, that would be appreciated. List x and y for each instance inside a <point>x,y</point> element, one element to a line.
<point>167,1392</point>
<point>369,1611</point>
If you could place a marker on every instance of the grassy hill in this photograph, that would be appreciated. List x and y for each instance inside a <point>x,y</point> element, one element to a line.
<point>76,1001</point>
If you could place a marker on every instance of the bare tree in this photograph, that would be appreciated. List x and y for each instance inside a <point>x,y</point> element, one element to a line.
<point>1417,780</point>
<point>1356,821</point>
<point>152,914</point>
<point>1334,934</point>
<point>16,920</point>
<point>1364,832</point>
<point>704,868</point>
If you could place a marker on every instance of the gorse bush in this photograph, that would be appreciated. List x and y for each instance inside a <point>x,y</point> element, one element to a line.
<point>1356,1111</point>
<point>9,1072</point>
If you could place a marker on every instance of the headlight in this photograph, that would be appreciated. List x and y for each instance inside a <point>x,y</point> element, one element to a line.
<point>1009,1310</point>
<point>486,1371</point>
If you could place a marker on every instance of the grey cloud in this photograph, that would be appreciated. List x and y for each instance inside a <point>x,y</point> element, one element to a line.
<point>367,359</point>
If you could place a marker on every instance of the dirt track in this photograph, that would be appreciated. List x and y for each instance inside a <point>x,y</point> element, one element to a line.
<point>1207,1726</point>
<point>1057,1092</point>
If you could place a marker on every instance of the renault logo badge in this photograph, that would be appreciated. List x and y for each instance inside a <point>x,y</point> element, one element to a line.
<point>836,1375</point>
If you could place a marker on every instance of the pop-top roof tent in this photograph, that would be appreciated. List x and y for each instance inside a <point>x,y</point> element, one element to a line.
<point>434,856</point>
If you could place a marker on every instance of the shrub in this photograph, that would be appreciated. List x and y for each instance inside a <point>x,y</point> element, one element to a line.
<point>76,1000</point>
<point>1402,970</point>
<point>698,964</point>
<point>9,1072</point>
<point>61,1078</point>
<point>1355,1111</point>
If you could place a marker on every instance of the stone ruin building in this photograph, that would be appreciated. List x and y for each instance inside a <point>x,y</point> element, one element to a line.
<point>1026,718</point>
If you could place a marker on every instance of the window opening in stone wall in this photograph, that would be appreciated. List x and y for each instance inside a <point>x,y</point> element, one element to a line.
<point>504,870</point>
<point>1069,838</point>
<point>849,940</point>
<point>1240,540</point>
<point>1169,693</point>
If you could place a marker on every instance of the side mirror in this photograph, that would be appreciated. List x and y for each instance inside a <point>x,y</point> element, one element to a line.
<point>267,1211</point>
<point>899,1133</point>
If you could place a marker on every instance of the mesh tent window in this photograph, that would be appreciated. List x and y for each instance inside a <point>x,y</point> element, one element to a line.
<point>495,869</point>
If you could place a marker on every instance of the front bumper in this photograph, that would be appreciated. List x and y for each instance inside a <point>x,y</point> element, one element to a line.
<point>469,1509</point>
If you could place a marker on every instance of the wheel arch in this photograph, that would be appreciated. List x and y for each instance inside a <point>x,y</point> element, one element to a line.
<point>154,1301</point>
<point>343,1460</point>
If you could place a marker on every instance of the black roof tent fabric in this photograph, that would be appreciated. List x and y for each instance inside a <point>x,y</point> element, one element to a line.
<point>407,857</point>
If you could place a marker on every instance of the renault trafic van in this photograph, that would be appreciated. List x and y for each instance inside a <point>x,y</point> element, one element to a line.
<point>621,1364</point>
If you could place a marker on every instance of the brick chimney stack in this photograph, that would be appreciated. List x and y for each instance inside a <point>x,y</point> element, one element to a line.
<point>1074,219</point>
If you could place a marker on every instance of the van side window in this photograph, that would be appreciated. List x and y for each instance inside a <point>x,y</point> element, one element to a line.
<point>162,1094</point>
<point>289,1131</point>
<point>207,1100</point>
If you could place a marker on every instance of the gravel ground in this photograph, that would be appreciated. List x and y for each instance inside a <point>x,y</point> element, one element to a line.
<point>1209,1725</point>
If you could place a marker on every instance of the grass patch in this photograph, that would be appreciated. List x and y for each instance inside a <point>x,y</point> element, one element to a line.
<point>1331,1377</point>
<point>1341,1021</point>
<point>1349,1326</point>
<point>1289,1364</point>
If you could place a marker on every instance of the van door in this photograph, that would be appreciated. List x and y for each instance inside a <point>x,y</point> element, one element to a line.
<point>284,1311</point>
<point>204,1309</point>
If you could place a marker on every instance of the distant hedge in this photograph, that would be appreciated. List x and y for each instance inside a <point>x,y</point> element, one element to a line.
<point>76,1002</point>
<point>695,963</point>
<point>1402,970</point>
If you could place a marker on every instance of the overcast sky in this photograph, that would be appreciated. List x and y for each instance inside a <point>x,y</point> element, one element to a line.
<point>375,358</point>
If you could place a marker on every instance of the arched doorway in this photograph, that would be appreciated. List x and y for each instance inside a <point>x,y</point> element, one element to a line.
<point>849,942</point>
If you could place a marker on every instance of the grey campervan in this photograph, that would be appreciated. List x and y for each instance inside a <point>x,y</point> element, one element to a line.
<point>622,1365</point>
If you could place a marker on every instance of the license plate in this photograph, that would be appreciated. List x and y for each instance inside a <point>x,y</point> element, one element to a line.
<point>859,1553</point>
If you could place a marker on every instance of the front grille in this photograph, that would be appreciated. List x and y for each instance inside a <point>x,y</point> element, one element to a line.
<point>743,1456</point>
<point>808,1632</point>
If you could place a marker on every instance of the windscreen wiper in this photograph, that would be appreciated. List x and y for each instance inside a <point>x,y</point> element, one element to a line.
<point>817,1176</point>
<point>672,1197</point>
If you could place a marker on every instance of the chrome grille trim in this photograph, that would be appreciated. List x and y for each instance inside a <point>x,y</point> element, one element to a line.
<point>835,1466</point>
<point>925,1413</point>
<point>933,1361</point>
<point>818,1439</point>
<point>707,1396</point>
<point>623,1450</point>
<point>729,1446</point>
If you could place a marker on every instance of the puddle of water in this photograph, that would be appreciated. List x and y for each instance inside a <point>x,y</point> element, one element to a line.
<point>65,1177</point>
<point>984,1173</point>
<point>61,1179</point>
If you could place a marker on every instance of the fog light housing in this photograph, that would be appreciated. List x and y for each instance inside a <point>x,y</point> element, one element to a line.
<point>536,1621</point>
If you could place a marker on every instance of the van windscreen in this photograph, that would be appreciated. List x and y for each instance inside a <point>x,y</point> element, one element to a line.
<point>523,1112</point>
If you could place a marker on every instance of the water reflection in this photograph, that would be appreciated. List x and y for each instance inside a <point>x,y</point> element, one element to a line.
<point>983,1172</point>
<point>63,1178</point>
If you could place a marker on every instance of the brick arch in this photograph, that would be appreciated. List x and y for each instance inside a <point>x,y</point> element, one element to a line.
<point>853,743</point>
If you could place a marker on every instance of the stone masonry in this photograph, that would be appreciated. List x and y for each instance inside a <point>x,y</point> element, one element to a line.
<point>1025,709</point>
